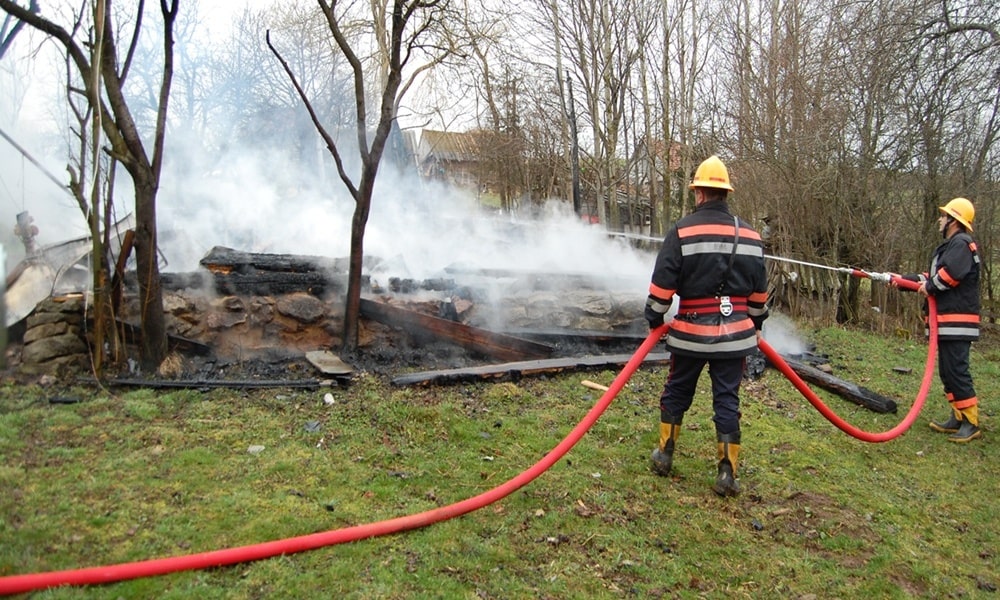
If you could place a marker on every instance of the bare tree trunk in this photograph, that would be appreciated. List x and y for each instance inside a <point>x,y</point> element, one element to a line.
<point>103,74</point>
<point>396,44</point>
<point>154,331</point>
<point>359,221</point>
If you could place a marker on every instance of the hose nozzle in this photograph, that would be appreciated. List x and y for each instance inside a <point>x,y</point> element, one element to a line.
<point>883,277</point>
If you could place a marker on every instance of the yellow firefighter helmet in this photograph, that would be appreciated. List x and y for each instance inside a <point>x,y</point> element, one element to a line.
<point>961,210</point>
<point>712,173</point>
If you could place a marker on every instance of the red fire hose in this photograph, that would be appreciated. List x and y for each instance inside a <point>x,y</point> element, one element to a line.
<point>24,583</point>
<point>844,426</point>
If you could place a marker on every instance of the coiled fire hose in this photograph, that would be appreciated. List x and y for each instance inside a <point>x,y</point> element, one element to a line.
<point>15,584</point>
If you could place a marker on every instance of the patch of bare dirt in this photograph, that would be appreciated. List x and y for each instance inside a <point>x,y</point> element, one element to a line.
<point>807,518</point>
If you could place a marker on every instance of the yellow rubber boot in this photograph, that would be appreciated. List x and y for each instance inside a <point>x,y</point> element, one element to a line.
<point>968,430</point>
<point>662,460</point>
<point>729,457</point>
<point>949,426</point>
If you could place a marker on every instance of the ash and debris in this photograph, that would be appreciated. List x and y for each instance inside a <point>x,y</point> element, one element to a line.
<point>260,338</point>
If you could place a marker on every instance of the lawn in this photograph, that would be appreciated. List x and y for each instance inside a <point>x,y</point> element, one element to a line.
<point>125,476</point>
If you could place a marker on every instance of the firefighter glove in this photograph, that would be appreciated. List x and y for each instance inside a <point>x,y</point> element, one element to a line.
<point>655,313</point>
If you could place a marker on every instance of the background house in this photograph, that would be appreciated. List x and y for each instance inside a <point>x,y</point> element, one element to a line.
<point>449,157</point>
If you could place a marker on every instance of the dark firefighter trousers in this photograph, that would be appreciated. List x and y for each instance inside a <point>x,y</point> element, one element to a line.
<point>678,392</point>
<point>953,367</point>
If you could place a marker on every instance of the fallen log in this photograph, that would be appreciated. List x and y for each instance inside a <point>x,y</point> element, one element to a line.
<point>486,343</point>
<point>850,391</point>
<point>513,371</point>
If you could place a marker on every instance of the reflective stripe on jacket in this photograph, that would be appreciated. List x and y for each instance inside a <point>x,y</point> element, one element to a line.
<point>953,280</point>
<point>692,264</point>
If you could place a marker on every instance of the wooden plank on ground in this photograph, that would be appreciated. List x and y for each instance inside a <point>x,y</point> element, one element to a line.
<point>487,343</point>
<point>519,369</point>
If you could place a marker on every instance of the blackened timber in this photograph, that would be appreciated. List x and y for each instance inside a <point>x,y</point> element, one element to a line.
<point>565,340</point>
<point>242,384</point>
<point>249,273</point>
<point>267,283</point>
<point>850,391</point>
<point>222,258</point>
<point>513,371</point>
<point>481,341</point>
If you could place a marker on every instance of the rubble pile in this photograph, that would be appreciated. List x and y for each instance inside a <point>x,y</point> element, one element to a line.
<point>243,310</point>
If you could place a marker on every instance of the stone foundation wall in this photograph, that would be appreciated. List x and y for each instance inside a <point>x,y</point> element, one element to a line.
<point>55,339</point>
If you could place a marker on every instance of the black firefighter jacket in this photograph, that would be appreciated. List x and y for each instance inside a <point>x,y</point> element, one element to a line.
<point>954,284</point>
<point>721,307</point>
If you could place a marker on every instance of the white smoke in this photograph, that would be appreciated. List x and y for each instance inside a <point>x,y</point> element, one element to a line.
<point>418,229</point>
<point>263,200</point>
<point>780,332</point>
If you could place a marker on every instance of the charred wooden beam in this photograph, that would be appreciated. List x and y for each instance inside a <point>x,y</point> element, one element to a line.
<point>486,343</point>
<point>250,273</point>
<point>270,283</point>
<point>517,370</point>
<point>221,258</point>
<point>242,384</point>
<point>850,391</point>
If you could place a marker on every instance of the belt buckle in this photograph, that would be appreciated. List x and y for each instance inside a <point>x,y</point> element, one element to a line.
<point>725,306</point>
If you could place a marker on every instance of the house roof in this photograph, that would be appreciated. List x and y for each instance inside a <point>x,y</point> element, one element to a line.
<point>447,145</point>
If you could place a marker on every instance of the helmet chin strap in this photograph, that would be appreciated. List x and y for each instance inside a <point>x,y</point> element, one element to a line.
<point>947,226</point>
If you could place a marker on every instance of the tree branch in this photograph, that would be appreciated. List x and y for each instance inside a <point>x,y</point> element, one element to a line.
<point>357,68</point>
<point>330,143</point>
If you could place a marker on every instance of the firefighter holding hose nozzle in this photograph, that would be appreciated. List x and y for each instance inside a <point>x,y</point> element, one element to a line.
<point>953,281</point>
<point>714,262</point>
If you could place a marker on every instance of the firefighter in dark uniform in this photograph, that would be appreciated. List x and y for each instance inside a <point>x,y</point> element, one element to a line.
<point>714,262</point>
<point>953,281</point>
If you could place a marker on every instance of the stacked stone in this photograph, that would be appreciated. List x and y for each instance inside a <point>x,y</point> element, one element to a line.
<point>55,339</point>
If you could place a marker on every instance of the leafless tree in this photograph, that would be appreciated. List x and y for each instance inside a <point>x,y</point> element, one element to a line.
<point>102,77</point>
<point>848,123</point>
<point>596,46</point>
<point>11,26</point>
<point>89,173</point>
<point>403,32</point>
<point>954,106</point>
<point>498,83</point>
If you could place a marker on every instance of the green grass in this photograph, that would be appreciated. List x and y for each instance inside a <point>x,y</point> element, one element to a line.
<point>146,474</point>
